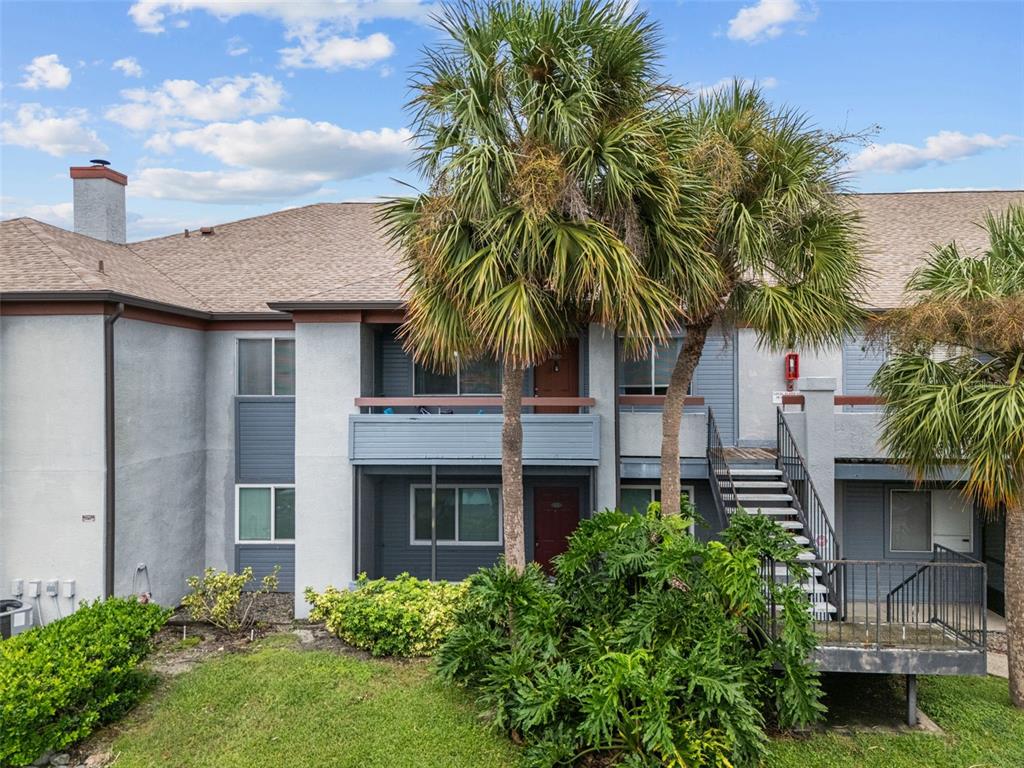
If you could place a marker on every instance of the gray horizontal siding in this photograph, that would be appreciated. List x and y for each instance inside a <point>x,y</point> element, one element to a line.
<point>547,438</point>
<point>265,440</point>
<point>262,558</point>
<point>860,363</point>
<point>715,380</point>
<point>396,555</point>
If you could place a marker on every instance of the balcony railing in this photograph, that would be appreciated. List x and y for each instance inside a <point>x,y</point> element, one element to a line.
<point>448,403</point>
<point>647,402</point>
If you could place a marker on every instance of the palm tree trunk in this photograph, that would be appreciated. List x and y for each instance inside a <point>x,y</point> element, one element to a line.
<point>512,467</point>
<point>1014,585</point>
<point>672,415</point>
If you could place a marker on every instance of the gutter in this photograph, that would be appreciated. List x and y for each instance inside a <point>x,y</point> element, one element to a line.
<point>109,538</point>
<point>134,301</point>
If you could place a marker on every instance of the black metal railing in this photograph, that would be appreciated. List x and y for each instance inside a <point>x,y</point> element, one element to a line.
<point>951,598</point>
<point>718,467</point>
<point>809,508</point>
<point>938,605</point>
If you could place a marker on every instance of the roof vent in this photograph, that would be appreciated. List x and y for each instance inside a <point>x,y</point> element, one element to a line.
<point>103,163</point>
<point>206,230</point>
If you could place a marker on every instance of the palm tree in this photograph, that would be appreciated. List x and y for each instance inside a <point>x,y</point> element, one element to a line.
<point>542,136</point>
<point>778,250</point>
<point>967,409</point>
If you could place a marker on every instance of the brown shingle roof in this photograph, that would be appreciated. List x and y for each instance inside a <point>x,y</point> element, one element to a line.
<point>37,257</point>
<point>335,253</point>
<point>325,252</point>
<point>901,229</point>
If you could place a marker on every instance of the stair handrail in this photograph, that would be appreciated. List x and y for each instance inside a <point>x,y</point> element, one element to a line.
<point>809,507</point>
<point>719,470</point>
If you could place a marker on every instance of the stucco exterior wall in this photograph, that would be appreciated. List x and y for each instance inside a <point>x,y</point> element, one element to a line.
<point>602,364</point>
<point>52,454</point>
<point>328,362</point>
<point>160,419</point>
<point>760,373</point>
<point>640,434</point>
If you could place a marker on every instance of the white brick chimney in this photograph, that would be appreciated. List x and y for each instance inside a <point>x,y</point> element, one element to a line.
<point>99,201</point>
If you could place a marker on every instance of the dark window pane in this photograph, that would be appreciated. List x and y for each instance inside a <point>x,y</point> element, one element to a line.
<point>478,514</point>
<point>665,356</point>
<point>911,513</point>
<point>445,514</point>
<point>431,383</point>
<point>254,514</point>
<point>284,513</point>
<point>480,377</point>
<point>636,377</point>
<point>635,500</point>
<point>284,367</point>
<point>255,361</point>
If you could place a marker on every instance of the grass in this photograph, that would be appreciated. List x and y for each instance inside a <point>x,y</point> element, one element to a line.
<point>980,728</point>
<point>281,706</point>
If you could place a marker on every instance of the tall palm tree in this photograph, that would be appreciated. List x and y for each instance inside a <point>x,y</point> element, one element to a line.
<point>778,250</point>
<point>967,409</point>
<point>542,135</point>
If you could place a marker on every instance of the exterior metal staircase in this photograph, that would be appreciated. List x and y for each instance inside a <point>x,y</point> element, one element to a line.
<point>783,491</point>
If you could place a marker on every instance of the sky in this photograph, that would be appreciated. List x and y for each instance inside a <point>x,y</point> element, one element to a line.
<point>222,110</point>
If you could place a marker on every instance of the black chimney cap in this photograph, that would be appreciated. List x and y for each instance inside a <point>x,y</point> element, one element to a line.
<point>100,162</point>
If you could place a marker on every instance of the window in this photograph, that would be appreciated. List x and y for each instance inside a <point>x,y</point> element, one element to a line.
<point>910,525</point>
<point>266,513</point>
<point>650,375</point>
<point>266,367</point>
<point>476,377</point>
<point>469,515</point>
<point>635,498</point>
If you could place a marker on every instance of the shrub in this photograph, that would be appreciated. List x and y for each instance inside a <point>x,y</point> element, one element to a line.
<point>647,647</point>
<point>216,597</point>
<point>400,617</point>
<point>58,682</point>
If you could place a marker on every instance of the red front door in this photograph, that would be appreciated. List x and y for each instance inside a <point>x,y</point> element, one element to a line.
<point>558,377</point>
<point>556,513</point>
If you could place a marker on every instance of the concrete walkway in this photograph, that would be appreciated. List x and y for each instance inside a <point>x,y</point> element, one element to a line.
<point>998,665</point>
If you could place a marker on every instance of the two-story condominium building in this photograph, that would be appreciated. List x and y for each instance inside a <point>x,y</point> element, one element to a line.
<point>237,395</point>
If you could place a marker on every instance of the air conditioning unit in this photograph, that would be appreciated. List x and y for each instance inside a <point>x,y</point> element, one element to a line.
<point>15,618</point>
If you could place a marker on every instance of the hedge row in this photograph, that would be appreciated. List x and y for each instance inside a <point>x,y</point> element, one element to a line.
<point>59,682</point>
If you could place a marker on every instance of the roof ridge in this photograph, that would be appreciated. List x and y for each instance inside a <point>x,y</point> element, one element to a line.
<point>939,192</point>
<point>56,250</point>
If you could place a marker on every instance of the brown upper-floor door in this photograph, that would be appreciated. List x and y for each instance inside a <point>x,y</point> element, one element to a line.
<point>558,377</point>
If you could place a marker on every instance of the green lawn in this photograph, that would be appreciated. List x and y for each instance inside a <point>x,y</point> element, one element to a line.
<point>980,727</point>
<point>281,706</point>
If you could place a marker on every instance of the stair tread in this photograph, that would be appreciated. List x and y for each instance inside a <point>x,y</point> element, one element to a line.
<point>782,511</point>
<point>783,570</point>
<point>761,484</point>
<point>759,496</point>
<point>755,472</point>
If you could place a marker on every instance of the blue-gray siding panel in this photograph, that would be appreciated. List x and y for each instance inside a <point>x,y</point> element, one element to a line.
<point>547,438</point>
<point>860,363</point>
<point>394,552</point>
<point>263,557</point>
<point>715,380</point>
<point>265,440</point>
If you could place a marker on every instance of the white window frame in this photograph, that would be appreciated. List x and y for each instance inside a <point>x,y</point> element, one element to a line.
<point>273,517</point>
<point>689,489</point>
<point>458,387</point>
<point>654,385</point>
<point>413,541</point>
<point>931,523</point>
<point>273,364</point>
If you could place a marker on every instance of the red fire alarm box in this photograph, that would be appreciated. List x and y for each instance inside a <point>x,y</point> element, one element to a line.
<point>792,368</point>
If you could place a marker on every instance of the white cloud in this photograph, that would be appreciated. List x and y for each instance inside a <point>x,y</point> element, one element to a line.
<point>767,19</point>
<point>295,145</point>
<point>129,66</point>
<point>150,15</point>
<point>38,127</point>
<point>767,83</point>
<point>179,102</point>
<point>46,72</point>
<point>237,46</point>
<point>230,187</point>
<point>61,214</point>
<point>940,149</point>
<point>332,53</point>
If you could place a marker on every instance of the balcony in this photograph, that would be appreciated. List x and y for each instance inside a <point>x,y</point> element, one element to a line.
<point>857,424</point>
<point>444,430</point>
<point>640,426</point>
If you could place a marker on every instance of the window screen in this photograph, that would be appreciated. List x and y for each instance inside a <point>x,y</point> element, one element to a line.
<point>478,514</point>
<point>284,513</point>
<point>254,514</point>
<point>911,513</point>
<point>445,514</point>
<point>255,363</point>
<point>284,367</point>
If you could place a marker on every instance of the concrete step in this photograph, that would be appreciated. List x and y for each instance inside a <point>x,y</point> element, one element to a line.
<point>813,587</point>
<point>773,511</point>
<point>783,571</point>
<point>778,498</point>
<point>807,555</point>
<point>791,525</point>
<point>802,540</point>
<point>821,610</point>
<point>741,472</point>
<point>761,484</point>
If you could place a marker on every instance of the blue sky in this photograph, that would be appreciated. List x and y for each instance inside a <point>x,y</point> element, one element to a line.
<point>220,110</point>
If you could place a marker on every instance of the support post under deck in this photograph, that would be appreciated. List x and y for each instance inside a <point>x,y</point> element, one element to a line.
<point>912,700</point>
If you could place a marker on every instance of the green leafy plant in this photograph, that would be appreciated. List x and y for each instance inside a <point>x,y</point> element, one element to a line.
<point>220,597</point>
<point>59,682</point>
<point>405,616</point>
<point>648,647</point>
